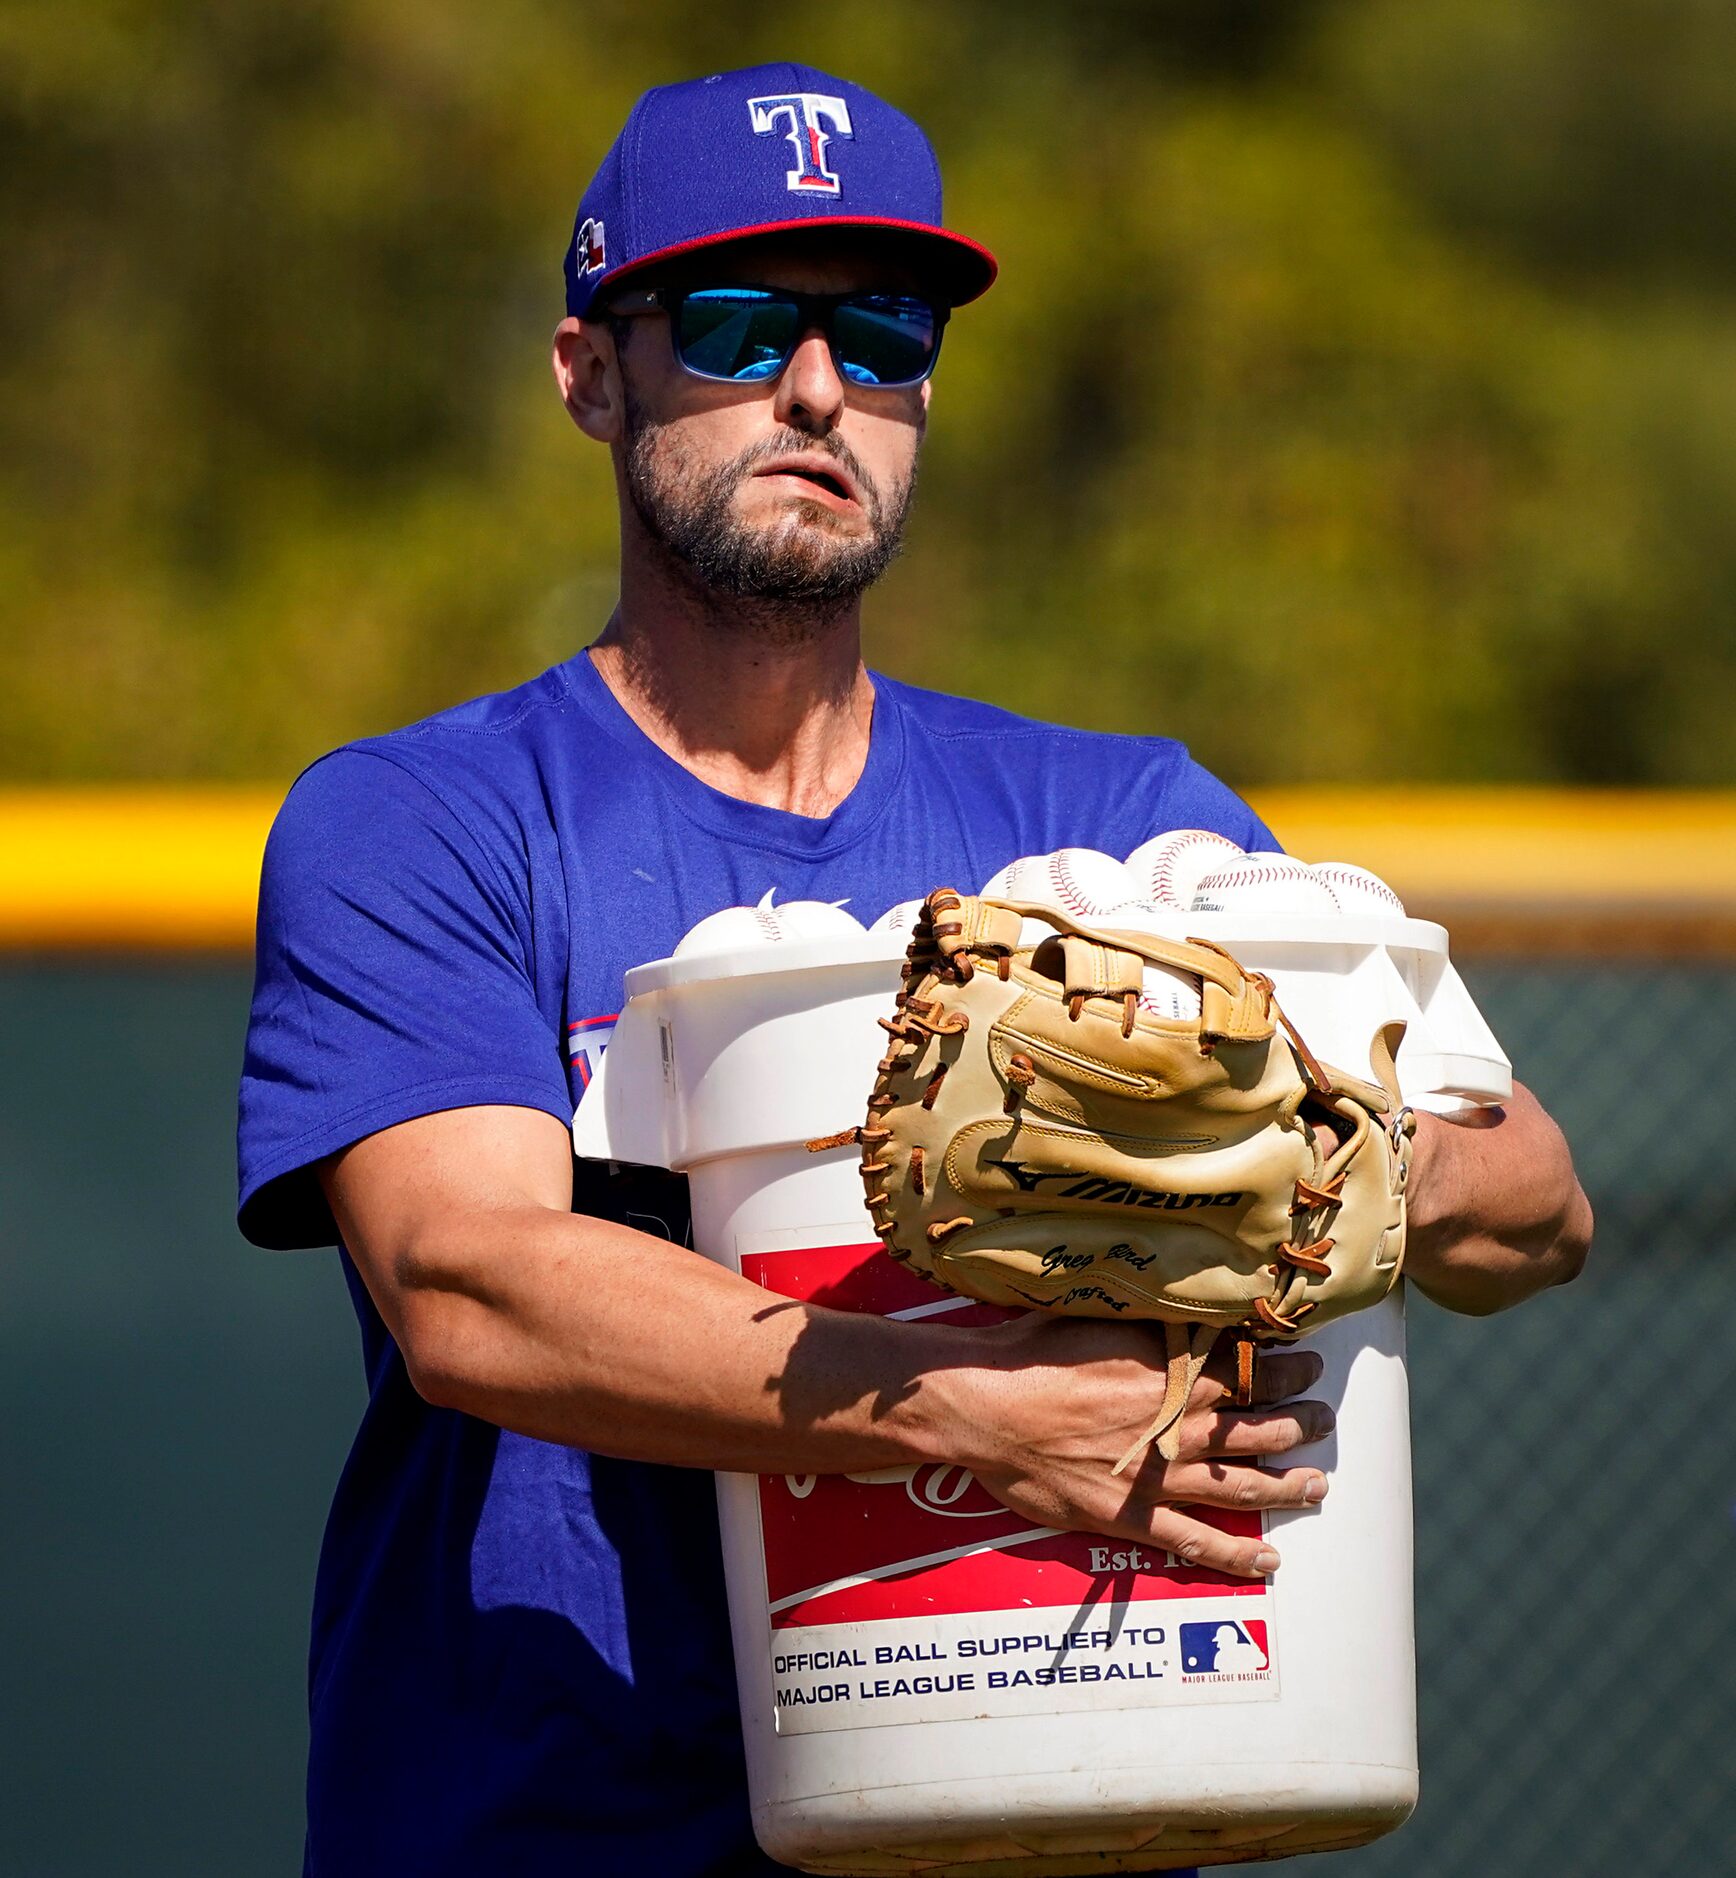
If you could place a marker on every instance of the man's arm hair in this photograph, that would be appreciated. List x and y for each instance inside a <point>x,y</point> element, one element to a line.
<point>507,1305</point>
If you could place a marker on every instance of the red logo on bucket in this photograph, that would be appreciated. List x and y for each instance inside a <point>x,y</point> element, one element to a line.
<point>929,1541</point>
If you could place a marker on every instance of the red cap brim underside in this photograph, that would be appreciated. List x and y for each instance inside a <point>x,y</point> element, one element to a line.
<point>967,267</point>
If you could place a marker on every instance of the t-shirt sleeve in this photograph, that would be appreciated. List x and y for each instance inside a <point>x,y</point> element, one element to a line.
<point>395,978</point>
<point>1197,799</point>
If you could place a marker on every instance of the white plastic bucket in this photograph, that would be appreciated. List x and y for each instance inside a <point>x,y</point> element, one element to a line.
<point>929,1683</point>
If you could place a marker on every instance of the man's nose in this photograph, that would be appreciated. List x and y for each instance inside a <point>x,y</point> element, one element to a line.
<point>810,393</point>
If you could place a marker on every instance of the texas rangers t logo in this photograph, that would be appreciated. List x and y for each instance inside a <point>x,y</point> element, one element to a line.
<point>799,115</point>
<point>587,1039</point>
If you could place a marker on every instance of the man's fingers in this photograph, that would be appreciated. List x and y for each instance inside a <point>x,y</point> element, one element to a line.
<point>1239,1487</point>
<point>1278,1375</point>
<point>1166,1523</point>
<point>1240,1433</point>
<point>1192,1543</point>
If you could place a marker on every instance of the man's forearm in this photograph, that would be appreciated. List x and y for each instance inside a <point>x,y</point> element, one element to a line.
<point>584,1332</point>
<point>1496,1213</point>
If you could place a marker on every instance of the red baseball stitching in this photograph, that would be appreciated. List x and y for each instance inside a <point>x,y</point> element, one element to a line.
<point>1252,876</point>
<point>1163,880</point>
<point>1356,878</point>
<point>1061,877</point>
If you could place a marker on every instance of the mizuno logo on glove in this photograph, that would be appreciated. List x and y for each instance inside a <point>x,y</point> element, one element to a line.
<point>1107,1192</point>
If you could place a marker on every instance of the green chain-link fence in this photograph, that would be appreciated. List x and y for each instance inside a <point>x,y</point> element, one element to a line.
<point>176,1407</point>
<point>1576,1471</point>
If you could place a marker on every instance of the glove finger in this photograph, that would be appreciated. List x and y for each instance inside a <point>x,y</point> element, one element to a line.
<point>1238,1433</point>
<point>1238,1486</point>
<point>1278,1375</point>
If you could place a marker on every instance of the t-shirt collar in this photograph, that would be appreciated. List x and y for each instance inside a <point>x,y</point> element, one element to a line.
<point>810,837</point>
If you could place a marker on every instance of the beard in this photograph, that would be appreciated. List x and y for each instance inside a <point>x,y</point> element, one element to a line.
<point>794,573</point>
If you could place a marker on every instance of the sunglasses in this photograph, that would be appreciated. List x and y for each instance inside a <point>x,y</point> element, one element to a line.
<point>742,335</point>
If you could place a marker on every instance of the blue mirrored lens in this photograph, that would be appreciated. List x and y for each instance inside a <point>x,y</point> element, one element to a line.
<point>736,333</point>
<point>743,334</point>
<point>882,340</point>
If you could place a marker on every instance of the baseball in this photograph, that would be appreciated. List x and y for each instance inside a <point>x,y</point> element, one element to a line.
<point>729,930</point>
<point>1264,883</point>
<point>815,919</point>
<point>1082,882</point>
<point>1167,869</point>
<point>1170,994</point>
<point>1167,993</point>
<point>901,918</point>
<point>1357,890</point>
<point>1017,880</point>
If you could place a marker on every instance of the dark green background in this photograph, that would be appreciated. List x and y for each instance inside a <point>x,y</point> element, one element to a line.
<point>175,1408</point>
<point>1362,367</point>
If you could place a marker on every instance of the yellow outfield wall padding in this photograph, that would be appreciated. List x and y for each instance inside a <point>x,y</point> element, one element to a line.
<point>157,869</point>
<point>1572,847</point>
<point>177,869</point>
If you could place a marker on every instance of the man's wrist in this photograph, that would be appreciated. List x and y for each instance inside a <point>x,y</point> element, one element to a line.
<point>953,1375</point>
<point>1421,1186</point>
<point>1435,1189</point>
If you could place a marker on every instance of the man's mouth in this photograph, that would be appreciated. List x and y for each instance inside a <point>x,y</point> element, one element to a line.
<point>816,474</point>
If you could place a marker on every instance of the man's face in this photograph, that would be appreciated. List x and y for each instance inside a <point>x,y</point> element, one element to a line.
<point>791,493</point>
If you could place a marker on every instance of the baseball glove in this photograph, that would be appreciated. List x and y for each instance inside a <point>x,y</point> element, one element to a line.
<point>1036,1140</point>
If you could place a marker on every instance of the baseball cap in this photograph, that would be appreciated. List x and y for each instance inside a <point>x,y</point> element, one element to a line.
<point>762,151</point>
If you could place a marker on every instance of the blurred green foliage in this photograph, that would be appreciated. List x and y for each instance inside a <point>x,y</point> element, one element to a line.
<point>1358,400</point>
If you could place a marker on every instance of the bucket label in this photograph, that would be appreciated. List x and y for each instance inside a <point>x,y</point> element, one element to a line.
<point>911,1594</point>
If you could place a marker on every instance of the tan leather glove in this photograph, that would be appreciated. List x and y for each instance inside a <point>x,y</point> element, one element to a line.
<point>1037,1140</point>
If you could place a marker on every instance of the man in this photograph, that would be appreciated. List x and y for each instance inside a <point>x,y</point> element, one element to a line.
<point>520,1662</point>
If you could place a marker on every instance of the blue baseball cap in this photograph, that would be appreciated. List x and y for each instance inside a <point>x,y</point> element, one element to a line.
<point>762,151</point>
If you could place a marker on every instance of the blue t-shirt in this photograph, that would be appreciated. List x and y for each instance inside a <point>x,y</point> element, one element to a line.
<point>520,1658</point>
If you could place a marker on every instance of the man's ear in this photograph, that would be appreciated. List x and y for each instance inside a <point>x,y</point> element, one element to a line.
<point>589,377</point>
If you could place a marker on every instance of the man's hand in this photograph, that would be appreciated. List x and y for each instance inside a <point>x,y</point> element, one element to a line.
<point>1060,1399</point>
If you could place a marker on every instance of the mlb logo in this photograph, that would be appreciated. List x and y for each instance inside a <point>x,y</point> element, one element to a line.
<point>1225,1648</point>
